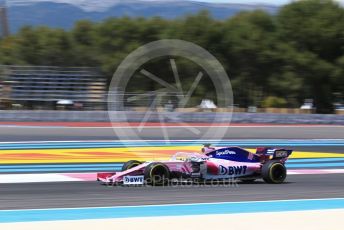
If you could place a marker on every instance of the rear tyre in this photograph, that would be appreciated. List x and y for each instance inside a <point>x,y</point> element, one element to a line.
<point>130,164</point>
<point>157,174</point>
<point>274,172</point>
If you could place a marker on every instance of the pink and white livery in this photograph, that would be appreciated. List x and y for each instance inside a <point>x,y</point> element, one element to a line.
<point>214,163</point>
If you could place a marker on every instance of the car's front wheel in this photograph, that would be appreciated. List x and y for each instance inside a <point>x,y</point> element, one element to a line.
<point>157,174</point>
<point>274,172</point>
<point>130,164</point>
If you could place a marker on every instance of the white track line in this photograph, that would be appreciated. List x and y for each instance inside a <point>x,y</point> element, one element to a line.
<point>35,178</point>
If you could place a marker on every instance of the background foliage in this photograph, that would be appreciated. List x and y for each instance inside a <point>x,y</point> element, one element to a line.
<point>278,59</point>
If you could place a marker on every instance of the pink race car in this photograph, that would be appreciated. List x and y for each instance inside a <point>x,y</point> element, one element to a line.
<point>221,163</point>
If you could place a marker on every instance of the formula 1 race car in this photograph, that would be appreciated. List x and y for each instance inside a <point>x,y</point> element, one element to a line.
<point>220,163</point>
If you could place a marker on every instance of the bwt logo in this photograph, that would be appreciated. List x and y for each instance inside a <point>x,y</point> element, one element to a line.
<point>133,180</point>
<point>233,170</point>
<point>226,152</point>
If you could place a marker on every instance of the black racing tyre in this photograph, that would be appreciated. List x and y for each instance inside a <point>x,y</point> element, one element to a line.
<point>130,164</point>
<point>157,174</point>
<point>274,172</point>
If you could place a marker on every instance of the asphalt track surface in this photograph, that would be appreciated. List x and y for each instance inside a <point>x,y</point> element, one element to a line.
<point>17,133</point>
<point>91,194</point>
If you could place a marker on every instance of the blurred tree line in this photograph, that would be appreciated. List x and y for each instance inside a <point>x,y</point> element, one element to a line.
<point>272,60</point>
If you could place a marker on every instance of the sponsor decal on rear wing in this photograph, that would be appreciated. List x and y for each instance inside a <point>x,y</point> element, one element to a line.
<point>279,153</point>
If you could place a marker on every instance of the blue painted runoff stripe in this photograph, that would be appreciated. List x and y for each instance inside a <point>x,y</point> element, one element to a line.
<point>10,216</point>
<point>116,165</point>
<point>100,169</point>
<point>316,165</point>
<point>120,164</point>
<point>295,162</point>
<point>304,160</point>
<point>114,144</point>
<point>27,168</point>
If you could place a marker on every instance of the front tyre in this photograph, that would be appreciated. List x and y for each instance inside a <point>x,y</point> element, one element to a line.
<point>130,164</point>
<point>157,174</point>
<point>274,172</point>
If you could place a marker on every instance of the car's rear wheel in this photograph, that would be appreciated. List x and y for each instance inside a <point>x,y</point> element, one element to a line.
<point>157,174</point>
<point>130,164</point>
<point>274,172</point>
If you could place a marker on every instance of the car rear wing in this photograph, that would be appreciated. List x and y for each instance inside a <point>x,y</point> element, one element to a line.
<point>276,153</point>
